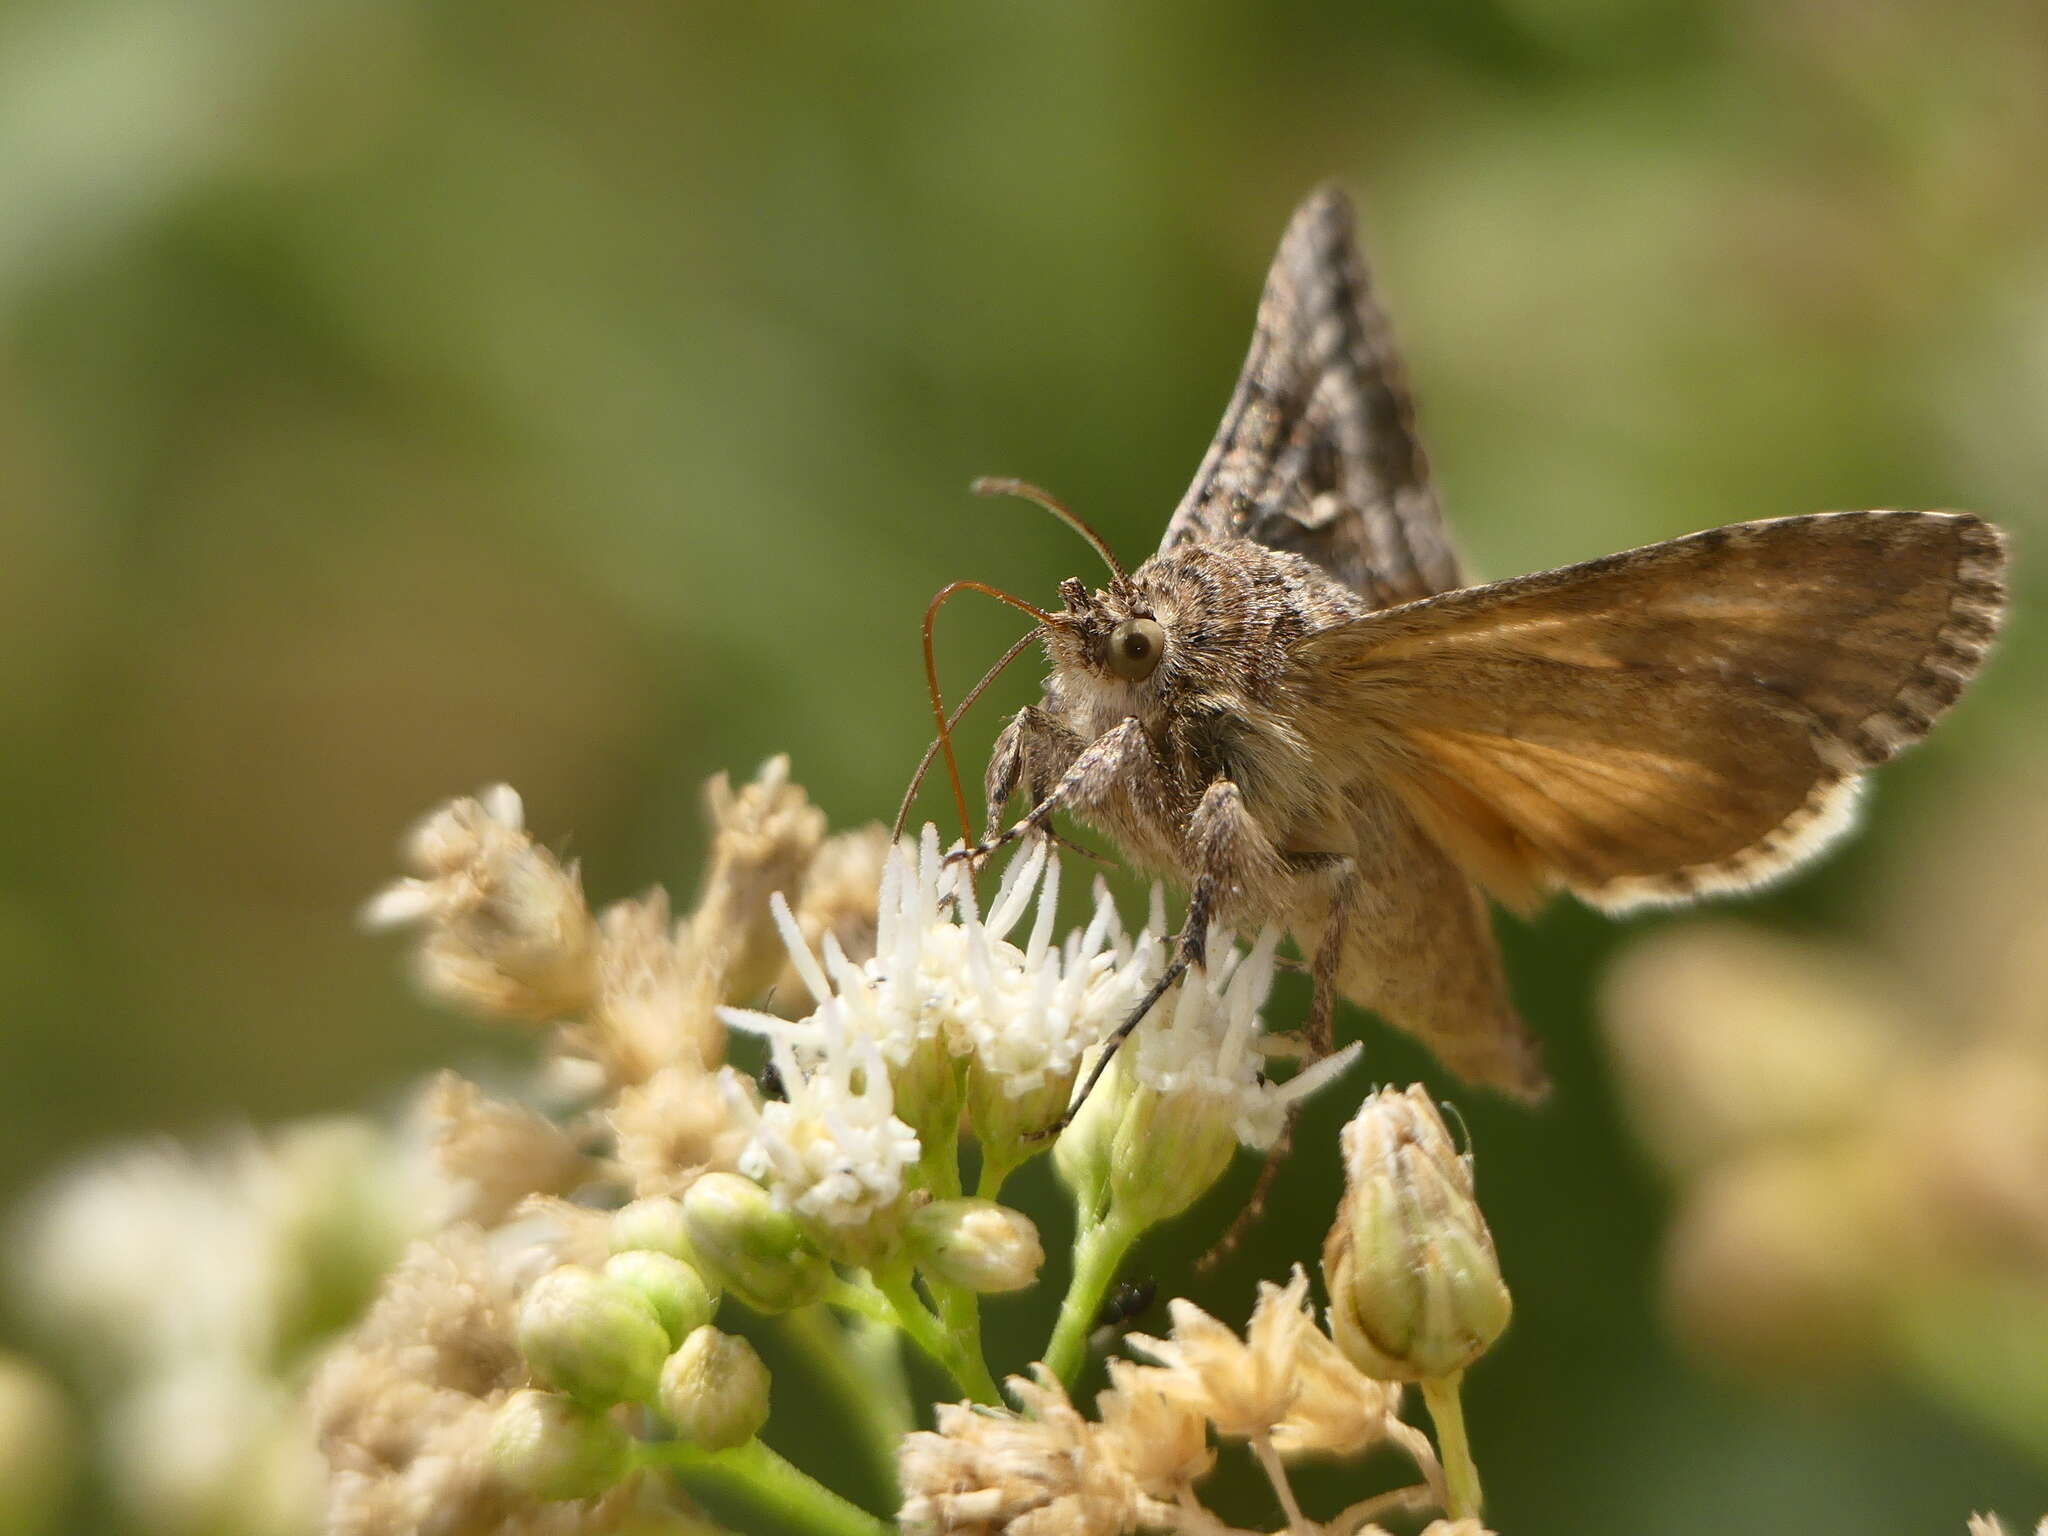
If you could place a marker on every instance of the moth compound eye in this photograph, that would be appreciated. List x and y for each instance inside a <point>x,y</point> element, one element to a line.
<point>1135,647</point>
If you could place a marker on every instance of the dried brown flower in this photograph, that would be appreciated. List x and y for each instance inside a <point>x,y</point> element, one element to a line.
<point>1339,1410</point>
<point>1044,1472</point>
<point>495,1152</point>
<point>764,836</point>
<point>508,932</point>
<point>673,1128</point>
<point>1245,1387</point>
<point>1162,1443</point>
<point>657,1000</point>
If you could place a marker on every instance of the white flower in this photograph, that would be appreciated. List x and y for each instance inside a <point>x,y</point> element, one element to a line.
<point>152,1257</point>
<point>1204,1043</point>
<point>946,984</point>
<point>1039,1014</point>
<point>833,1151</point>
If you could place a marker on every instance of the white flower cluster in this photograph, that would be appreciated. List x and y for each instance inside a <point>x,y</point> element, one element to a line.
<point>943,974</point>
<point>946,988</point>
<point>951,1009</point>
<point>833,1147</point>
<point>192,1286</point>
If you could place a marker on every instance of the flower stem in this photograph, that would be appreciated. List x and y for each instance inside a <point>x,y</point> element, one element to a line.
<point>959,1312</point>
<point>1461,1476</point>
<point>996,1168</point>
<point>771,1483</point>
<point>862,1300</point>
<point>1276,1474</point>
<point>939,1169</point>
<point>1098,1252</point>
<point>959,1353</point>
<point>861,1364</point>
<point>1411,1500</point>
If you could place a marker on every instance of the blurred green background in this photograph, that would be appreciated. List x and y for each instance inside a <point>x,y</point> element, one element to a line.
<point>397,397</point>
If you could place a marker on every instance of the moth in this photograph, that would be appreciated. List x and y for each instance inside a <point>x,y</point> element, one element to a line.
<point>1299,711</point>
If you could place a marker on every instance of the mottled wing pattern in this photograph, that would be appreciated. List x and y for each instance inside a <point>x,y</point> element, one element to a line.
<point>1676,720</point>
<point>1317,452</point>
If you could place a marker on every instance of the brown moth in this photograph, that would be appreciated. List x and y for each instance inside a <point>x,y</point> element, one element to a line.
<point>1299,711</point>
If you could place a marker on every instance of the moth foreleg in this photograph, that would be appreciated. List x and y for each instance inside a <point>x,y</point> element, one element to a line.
<point>1231,856</point>
<point>1032,754</point>
<point>1120,760</point>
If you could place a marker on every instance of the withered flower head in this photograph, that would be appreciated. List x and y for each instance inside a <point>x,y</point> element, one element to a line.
<point>1160,1440</point>
<point>657,1000</point>
<point>672,1129</point>
<point>1040,1473</point>
<point>1245,1387</point>
<point>764,836</point>
<point>508,931</point>
<point>495,1152</point>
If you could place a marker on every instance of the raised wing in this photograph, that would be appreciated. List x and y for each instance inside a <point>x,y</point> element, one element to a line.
<point>1677,720</point>
<point>1317,452</point>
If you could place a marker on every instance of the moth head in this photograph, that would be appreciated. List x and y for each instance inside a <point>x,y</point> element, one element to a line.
<point>1097,630</point>
<point>1112,634</point>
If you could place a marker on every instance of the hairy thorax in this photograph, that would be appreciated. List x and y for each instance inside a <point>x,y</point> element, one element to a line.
<point>1224,702</point>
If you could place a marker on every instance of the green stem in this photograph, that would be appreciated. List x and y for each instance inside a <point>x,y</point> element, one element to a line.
<point>862,1300</point>
<point>959,1312</point>
<point>960,1356</point>
<point>995,1170</point>
<point>1461,1476</point>
<point>1098,1252</point>
<point>939,1169</point>
<point>862,1366</point>
<point>766,1480</point>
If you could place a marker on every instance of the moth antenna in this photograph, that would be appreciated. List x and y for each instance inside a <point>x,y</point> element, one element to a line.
<point>931,677</point>
<point>1002,485</point>
<point>931,753</point>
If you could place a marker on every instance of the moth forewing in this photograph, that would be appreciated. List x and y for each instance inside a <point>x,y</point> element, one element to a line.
<point>1682,719</point>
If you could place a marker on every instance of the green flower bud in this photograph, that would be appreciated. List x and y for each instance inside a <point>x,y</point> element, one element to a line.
<point>1081,1154</point>
<point>715,1390</point>
<point>1168,1149</point>
<point>1153,1154</point>
<point>591,1337</point>
<point>676,1291</point>
<point>547,1446</point>
<point>927,1092</point>
<point>750,1245</point>
<point>1011,1127</point>
<point>977,1244</point>
<point>653,1225</point>
<point>1415,1288</point>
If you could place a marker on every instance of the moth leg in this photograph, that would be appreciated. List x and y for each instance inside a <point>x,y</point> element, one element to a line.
<point>1329,958</point>
<point>1254,1208</point>
<point>1317,1028</point>
<point>1120,760</point>
<point>1033,753</point>
<point>1231,854</point>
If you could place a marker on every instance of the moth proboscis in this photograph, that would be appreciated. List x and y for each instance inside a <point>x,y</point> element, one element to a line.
<point>1299,710</point>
